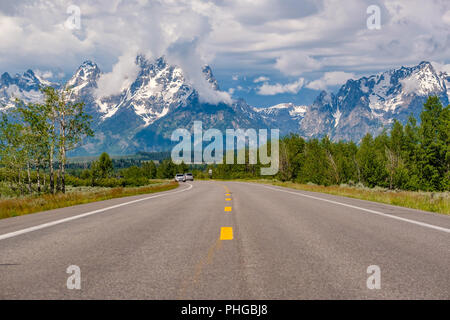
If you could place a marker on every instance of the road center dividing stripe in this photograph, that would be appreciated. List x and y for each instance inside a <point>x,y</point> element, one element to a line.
<point>431,226</point>
<point>53,223</point>
<point>227,209</point>
<point>226,233</point>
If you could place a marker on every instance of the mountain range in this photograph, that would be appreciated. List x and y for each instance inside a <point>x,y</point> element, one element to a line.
<point>142,116</point>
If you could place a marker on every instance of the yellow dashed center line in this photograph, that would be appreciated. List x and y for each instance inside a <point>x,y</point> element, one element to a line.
<point>226,233</point>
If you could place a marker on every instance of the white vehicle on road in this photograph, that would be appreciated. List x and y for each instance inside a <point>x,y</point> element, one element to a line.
<point>180,177</point>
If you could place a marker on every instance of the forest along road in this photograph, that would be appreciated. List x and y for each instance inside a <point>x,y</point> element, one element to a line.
<point>227,240</point>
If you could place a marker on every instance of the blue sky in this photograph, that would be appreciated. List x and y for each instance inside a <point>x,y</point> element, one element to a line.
<point>265,51</point>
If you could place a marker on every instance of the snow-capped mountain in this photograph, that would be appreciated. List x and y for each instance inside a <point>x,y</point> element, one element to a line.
<point>24,87</point>
<point>446,78</point>
<point>82,86</point>
<point>296,112</point>
<point>158,88</point>
<point>368,104</point>
<point>372,103</point>
<point>142,116</point>
<point>286,115</point>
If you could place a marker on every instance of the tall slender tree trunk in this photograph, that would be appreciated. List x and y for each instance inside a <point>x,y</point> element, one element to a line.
<point>62,150</point>
<point>38,164</point>
<point>44,181</point>
<point>63,170</point>
<point>21,183</point>
<point>357,168</point>
<point>11,183</point>
<point>58,179</point>
<point>52,174</point>
<point>53,140</point>
<point>334,167</point>
<point>29,178</point>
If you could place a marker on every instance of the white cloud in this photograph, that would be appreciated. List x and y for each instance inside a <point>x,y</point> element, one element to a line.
<point>261,79</point>
<point>441,67</point>
<point>330,79</point>
<point>294,63</point>
<point>446,17</point>
<point>123,74</point>
<point>273,89</point>
<point>264,37</point>
<point>48,74</point>
<point>188,57</point>
<point>410,85</point>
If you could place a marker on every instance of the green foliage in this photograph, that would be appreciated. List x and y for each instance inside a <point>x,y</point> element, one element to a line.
<point>149,169</point>
<point>33,136</point>
<point>412,157</point>
<point>105,165</point>
<point>315,167</point>
<point>434,145</point>
<point>166,170</point>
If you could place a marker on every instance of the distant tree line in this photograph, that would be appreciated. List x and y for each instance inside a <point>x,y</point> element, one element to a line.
<point>35,139</point>
<point>410,157</point>
<point>103,172</point>
<point>119,161</point>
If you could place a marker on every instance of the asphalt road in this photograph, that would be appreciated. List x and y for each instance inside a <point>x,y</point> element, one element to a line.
<point>284,244</point>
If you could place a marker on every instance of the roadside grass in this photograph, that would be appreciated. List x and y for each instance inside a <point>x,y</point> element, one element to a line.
<point>438,202</point>
<point>12,207</point>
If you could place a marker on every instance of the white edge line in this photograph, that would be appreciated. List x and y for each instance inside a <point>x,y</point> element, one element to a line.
<point>431,226</point>
<point>53,223</point>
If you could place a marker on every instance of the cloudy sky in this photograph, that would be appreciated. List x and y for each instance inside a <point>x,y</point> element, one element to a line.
<point>265,51</point>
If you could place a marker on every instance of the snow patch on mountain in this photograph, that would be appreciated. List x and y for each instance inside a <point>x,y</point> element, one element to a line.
<point>337,116</point>
<point>292,109</point>
<point>389,90</point>
<point>444,73</point>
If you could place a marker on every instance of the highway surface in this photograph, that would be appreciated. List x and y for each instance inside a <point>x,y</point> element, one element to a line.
<point>227,240</point>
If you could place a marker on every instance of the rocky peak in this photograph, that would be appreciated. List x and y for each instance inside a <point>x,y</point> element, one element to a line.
<point>210,77</point>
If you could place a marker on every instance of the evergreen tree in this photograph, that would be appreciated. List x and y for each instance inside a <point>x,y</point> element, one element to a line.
<point>434,144</point>
<point>411,154</point>
<point>149,169</point>
<point>105,165</point>
<point>315,166</point>
<point>370,162</point>
<point>183,168</point>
